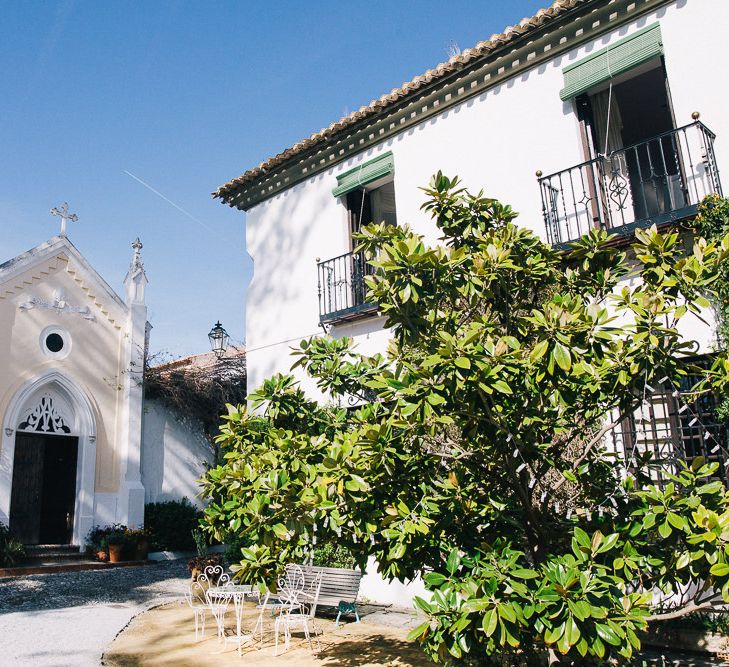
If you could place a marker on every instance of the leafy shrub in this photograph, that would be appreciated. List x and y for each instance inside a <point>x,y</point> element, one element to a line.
<point>709,621</point>
<point>475,456</point>
<point>332,554</point>
<point>170,525</point>
<point>11,550</point>
<point>201,543</point>
<point>233,545</point>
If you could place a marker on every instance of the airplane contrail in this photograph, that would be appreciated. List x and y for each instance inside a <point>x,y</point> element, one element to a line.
<point>171,203</point>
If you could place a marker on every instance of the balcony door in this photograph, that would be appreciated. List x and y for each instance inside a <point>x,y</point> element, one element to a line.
<point>630,121</point>
<point>374,203</point>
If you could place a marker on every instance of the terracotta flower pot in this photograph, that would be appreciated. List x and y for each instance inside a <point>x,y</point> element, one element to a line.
<point>102,555</point>
<point>142,549</point>
<point>116,553</point>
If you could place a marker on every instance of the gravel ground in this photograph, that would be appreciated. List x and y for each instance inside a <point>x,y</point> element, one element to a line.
<point>58,620</point>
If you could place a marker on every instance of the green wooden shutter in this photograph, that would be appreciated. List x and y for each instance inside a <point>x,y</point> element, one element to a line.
<point>614,59</point>
<point>382,165</point>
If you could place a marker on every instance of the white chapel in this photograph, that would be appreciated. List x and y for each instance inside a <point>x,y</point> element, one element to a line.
<point>71,398</point>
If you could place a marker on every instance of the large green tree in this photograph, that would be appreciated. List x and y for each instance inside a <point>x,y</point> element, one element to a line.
<point>476,456</point>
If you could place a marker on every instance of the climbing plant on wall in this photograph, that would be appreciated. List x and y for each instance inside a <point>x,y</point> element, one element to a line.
<point>198,392</point>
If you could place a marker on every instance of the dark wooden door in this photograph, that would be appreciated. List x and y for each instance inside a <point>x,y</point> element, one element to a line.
<point>25,497</point>
<point>58,495</point>
<point>44,488</point>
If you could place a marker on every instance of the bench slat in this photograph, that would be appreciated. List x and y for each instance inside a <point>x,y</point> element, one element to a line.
<point>338,585</point>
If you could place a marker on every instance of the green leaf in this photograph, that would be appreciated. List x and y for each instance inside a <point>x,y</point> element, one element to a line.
<point>553,634</point>
<point>280,531</point>
<point>583,539</point>
<point>720,570</point>
<point>462,362</point>
<point>539,350</point>
<point>562,356</point>
<point>502,387</point>
<point>572,631</point>
<point>454,560</point>
<point>523,573</point>
<point>434,579</point>
<point>608,543</point>
<point>506,611</point>
<point>397,552</point>
<point>606,634</point>
<point>489,621</point>
<point>419,632</point>
<point>664,530</point>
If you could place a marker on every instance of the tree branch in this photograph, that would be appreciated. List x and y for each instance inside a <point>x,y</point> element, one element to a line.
<point>593,443</point>
<point>683,611</point>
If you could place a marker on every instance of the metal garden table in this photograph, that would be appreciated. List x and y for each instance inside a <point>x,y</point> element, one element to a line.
<point>219,597</point>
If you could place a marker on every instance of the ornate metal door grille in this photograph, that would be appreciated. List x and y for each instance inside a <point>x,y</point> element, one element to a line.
<point>44,418</point>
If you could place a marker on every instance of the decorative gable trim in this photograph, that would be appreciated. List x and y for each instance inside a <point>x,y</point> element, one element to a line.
<point>59,253</point>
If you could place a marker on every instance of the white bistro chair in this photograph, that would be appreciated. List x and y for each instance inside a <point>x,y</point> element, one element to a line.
<point>290,587</point>
<point>214,576</point>
<point>197,600</point>
<point>300,615</point>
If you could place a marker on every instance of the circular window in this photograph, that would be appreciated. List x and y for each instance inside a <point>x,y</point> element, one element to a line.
<point>54,342</point>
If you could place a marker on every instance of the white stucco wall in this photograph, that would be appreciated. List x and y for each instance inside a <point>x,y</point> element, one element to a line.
<point>495,141</point>
<point>175,454</point>
<point>373,588</point>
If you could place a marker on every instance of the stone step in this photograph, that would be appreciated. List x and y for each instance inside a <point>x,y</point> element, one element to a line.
<point>49,554</point>
<point>56,556</point>
<point>51,548</point>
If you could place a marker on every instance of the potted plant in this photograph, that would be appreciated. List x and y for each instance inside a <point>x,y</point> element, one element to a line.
<point>97,542</point>
<point>197,565</point>
<point>116,540</point>
<point>203,559</point>
<point>138,541</point>
<point>12,551</point>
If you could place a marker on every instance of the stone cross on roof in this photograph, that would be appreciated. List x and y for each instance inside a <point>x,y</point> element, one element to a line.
<point>137,258</point>
<point>63,213</point>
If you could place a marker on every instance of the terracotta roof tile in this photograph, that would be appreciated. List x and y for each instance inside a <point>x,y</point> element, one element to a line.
<point>557,8</point>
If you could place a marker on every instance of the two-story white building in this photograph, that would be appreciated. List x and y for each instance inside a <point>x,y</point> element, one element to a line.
<point>591,113</point>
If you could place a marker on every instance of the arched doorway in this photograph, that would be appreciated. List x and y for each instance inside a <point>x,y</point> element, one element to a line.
<point>43,496</point>
<point>47,462</point>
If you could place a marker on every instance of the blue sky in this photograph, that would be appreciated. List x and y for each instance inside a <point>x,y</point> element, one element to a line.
<point>185,96</point>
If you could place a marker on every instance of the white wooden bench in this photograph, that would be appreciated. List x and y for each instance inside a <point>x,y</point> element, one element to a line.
<point>339,588</point>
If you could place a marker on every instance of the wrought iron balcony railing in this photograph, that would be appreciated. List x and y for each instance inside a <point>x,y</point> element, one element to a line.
<point>342,289</point>
<point>662,179</point>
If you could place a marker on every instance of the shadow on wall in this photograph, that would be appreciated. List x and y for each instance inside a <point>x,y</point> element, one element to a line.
<point>175,454</point>
<point>275,293</point>
<point>278,291</point>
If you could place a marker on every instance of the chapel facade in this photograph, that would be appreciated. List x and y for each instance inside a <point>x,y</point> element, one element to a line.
<point>72,357</point>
